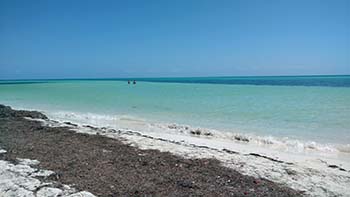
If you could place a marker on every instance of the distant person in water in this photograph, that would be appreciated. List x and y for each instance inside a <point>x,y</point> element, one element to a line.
<point>128,81</point>
<point>134,82</point>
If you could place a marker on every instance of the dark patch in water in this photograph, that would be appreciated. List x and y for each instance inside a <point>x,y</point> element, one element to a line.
<point>328,81</point>
<point>20,82</point>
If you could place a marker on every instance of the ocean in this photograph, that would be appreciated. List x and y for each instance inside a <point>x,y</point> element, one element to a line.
<point>300,111</point>
<point>293,130</point>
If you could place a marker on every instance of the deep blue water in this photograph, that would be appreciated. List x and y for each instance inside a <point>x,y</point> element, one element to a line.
<point>329,81</point>
<point>325,80</point>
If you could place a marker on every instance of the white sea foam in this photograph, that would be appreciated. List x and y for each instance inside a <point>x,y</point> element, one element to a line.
<point>138,124</point>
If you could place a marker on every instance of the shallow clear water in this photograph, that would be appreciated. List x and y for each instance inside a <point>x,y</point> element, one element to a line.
<point>305,108</point>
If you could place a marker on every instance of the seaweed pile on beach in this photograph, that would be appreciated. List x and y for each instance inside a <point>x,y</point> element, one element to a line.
<point>111,167</point>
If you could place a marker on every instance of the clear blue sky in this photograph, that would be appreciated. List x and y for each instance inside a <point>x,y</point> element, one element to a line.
<point>84,38</point>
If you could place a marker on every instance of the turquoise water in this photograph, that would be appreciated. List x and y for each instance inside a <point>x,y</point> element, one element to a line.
<point>316,109</point>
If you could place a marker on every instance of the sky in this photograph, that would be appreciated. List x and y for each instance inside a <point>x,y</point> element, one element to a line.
<point>168,38</point>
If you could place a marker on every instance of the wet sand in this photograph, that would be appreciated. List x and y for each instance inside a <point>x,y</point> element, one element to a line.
<point>111,167</point>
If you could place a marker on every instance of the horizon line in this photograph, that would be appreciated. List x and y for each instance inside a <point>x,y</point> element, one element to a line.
<point>125,78</point>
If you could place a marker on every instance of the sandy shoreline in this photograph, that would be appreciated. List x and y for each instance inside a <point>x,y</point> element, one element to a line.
<point>314,171</point>
<point>109,167</point>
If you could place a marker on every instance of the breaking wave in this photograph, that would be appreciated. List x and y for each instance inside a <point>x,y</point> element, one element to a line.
<point>146,127</point>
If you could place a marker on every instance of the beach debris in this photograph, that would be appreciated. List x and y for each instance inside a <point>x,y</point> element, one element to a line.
<point>230,151</point>
<point>196,132</point>
<point>71,124</point>
<point>314,183</point>
<point>207,133</point>
<point>185,183</point>
<point>335,166</point>
<point>269,158</point>
<point>90,127</point>
<point>172,126</point>
<point>241,138</point>
<point>6,111</point>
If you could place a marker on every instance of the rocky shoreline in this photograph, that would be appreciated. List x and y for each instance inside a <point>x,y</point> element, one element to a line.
<point>111,167</point>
